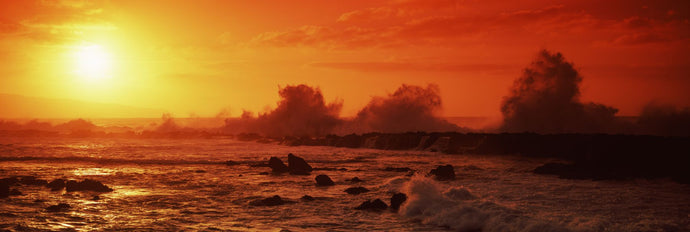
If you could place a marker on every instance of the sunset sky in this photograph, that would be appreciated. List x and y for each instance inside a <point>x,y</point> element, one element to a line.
<point>200,57</point>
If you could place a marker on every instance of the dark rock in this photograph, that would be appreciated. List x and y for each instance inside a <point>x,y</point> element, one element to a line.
<point>4,190</point>
<point>95,198</point>
<point>392,169</point>
<point>86,185</point>
<point>32,180</point>
<point>355,180</point>
<point>323,180</point>
<point>277,165</point>
<point>375,205</point>
<point>356,190</point>
<point>269,201</point>
<point>231,163</point>
<point>15,192</point>
<point>9,181</point>
<point>263,173</point>
<point>397,200</point>
<point>58,208</point>
<point>298,166</point>
<point>307,198</point>
<point>443,172</point>
<point>56,185</point>
<point>199,171</point>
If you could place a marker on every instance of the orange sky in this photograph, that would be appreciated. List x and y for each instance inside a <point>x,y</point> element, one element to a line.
<point>199,57</point>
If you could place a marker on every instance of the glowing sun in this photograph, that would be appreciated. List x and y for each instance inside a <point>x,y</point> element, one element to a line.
<point>92,62</point>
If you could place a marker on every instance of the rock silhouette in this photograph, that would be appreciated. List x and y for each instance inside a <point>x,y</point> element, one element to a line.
<point>356,190</point>
<point>443,172</point>
<point>4,190</point>
<point>269,201</point>
<point>323,180</point>
<point>56,185</point>
<point>58,208</point>
<point>298,166</point>
<point>375,205</point>
<point>277,165</point>
<point>397,200</point>
<point>86,185</point>
<point>307,198</point>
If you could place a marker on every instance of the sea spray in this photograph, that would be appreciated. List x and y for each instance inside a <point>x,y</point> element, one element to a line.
<point>457,208</point>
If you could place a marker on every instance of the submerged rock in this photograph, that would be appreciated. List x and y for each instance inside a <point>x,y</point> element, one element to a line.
<point>277,165</point>
<point>375,205</point>
<point>56,185</point>
<point>307,198</point>
<point>86,185</point>
<point>323,180</point>
<point>355,180</point>
<point>9,181</point>
<point>269,201</point>
<point>392,169</point>
<point>397,200</point>
<point>58,208</point>
<point>4,190</point>
<point>443,172</point>
<point>298,166</point>
<point>356,190</point>
<point>31,180</point>
<point>15,192</point>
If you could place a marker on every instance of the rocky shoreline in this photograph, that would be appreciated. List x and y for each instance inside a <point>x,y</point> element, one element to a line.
<point>584,156</point>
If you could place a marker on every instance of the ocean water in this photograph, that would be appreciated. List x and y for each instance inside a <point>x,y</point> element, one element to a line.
<point>184,185</point>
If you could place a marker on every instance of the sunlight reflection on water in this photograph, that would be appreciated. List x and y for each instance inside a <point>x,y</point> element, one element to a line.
<point>93,171</point>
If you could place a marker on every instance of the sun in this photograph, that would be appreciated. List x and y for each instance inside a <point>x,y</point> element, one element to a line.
<point>92,62</point>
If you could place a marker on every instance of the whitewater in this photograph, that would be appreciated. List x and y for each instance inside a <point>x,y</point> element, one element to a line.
<point>189,185</point>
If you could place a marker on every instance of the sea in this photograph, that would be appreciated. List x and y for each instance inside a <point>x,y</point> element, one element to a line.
<point>187,185</point>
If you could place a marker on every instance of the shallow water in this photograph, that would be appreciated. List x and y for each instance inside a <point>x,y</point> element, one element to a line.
<point>184,185</point>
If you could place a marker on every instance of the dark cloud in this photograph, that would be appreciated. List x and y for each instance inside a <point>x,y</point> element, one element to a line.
<point>546,99</point>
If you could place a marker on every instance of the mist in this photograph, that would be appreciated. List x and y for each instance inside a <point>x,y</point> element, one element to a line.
<point>409,108</point>
<point>301,111</point>
<point>546,99</point>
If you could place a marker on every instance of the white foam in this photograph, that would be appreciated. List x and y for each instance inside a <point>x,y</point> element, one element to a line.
<point>457,208</point>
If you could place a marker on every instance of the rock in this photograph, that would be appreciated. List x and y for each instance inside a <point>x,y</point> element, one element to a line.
<point>9,181</point>
<point>355,180</point>
<point>277,165</point>
<point>269,201</point>
<point>4,190</point>
<point>86,185</point>
<point>375,205</point>
<point>263,173</point>
<point>95,198</point>
<point>443,172</point>
<point>397,200</point>
<point>15,192</point>
<point>298,166</point>
<point>32,180</point>
<point>58,208</point>
<point>56,185</point>
<point>356,190</point>
<point>307,198</point>
<point>392,169</point>
<point>231,163</point>
<point>323,180</point>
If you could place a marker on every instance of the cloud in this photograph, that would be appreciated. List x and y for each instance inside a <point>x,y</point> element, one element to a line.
<point>417,23</point>
<point>406,66</point>
<point>546,99</point>
<point>52,20</point>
